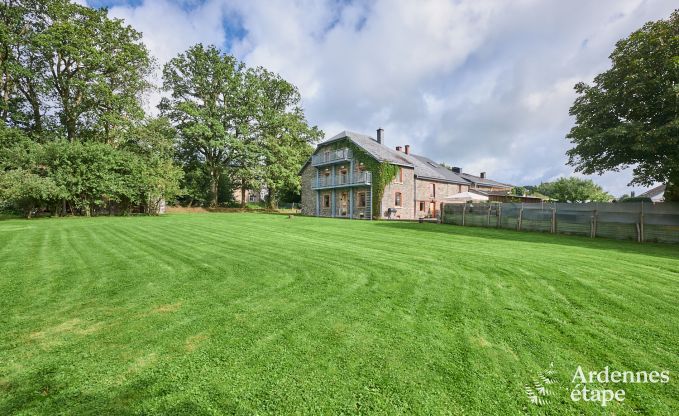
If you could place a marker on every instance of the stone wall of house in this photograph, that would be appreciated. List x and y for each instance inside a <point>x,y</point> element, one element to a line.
<point>308,176</point>
<point>426,194</point>
<point>407,190</point>
<point>308,195</point>
<point>256,196</point>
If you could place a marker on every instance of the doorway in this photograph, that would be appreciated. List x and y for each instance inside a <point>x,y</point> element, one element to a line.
<point>344,204</point>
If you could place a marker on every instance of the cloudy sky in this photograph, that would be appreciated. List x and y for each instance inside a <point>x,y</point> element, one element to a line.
<point>485,85</point>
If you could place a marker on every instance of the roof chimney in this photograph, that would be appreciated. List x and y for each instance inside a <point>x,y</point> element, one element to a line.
<point>380,135</point>
<point>456,170</point>
<point>407,149</point>
<point>398,148</point>
<point>483,175</point>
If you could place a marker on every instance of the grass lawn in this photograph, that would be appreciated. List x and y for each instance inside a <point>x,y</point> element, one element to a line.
<point>256,313</point>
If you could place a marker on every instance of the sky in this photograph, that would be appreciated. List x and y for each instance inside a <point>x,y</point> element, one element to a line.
<point>481,84</point>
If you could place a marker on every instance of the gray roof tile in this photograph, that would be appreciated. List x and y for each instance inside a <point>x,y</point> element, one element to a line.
<point>484,181</point>
<point>424,167</point>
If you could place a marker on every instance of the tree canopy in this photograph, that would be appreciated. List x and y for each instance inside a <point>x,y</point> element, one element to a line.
<point>573,189</point>
<point>629,116</point>
<point>234,120</point>
<point>74,136</point>
<point>73,133</point>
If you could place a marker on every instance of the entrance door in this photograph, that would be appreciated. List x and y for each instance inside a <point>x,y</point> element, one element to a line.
<point>432,209</point>
<point>344,204</point>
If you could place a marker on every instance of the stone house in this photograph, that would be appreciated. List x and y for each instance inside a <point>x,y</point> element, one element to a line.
<point>251,196</point>
<point>345,177</point>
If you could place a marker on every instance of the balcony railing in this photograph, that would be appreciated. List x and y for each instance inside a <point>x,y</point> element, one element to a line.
<point>338,181</point>
<point>333,156</point>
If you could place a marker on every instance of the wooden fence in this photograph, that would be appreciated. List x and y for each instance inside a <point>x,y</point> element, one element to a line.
<point>641,221</point>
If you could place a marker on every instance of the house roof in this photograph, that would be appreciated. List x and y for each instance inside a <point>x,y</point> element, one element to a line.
<point>424,167</point>
<point>484,181</point>
<point>654,192</point>
<point>377,150</point>
<point>428,169</point>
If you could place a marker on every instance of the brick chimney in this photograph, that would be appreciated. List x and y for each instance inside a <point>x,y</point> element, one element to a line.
<point>380,135</point>
<point>398,148</point>
<point>483,175</point>
<point>407,149</point>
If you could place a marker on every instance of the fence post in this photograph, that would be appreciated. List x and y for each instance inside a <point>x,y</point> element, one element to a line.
<point>594,221</point>
<point>488,221</point>
<point>518,224</point>
<point>641,223</point>
<point>553,220</point>
<point>499,215</point>
<point>443,214</point>
<point>464,208</point>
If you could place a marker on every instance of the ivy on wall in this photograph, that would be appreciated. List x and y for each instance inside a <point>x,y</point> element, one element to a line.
<point>382,172</point>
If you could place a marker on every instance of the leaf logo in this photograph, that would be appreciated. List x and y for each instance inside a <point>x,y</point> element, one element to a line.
<point>538,390</point>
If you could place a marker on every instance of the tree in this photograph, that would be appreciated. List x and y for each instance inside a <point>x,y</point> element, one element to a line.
<point>204,104</point>
<point>241,121</point>
<point>573,190</point>
<point>28,191</point>
<point>630,115</point>
<point>72,69</point>
<point>286,136</point>
<point>153,143</point>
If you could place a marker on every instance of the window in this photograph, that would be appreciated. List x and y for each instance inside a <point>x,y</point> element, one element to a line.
<point>326,201</point>
<point>253,197</point>
<point>421,205</point>
<point>327,155</point>
<point>397,199</point>
<point>399,175</point>
<point>361,199</point>
<point>361,167</point>
<point>433,190</point>
<point>343,176</point>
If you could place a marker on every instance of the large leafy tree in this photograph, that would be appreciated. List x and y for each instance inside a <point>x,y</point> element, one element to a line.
<point>573,190</point>
<point>245,123</point>
<point>70,69</point>
<point>286,136</point>
<point>204,105</point>
<point>630,115</point>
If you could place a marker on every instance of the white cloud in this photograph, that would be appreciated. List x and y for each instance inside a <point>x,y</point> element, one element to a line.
<point>484,85</point>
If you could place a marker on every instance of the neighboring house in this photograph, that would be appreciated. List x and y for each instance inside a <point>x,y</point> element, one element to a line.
<point>251,197</point>
<point>656,194</point>
<point>484,184</point>
<point>338,183</point>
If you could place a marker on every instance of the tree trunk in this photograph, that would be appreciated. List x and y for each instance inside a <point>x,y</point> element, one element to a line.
<point>242,193</point>
<point>214,187</point>
<point>271,199</point>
